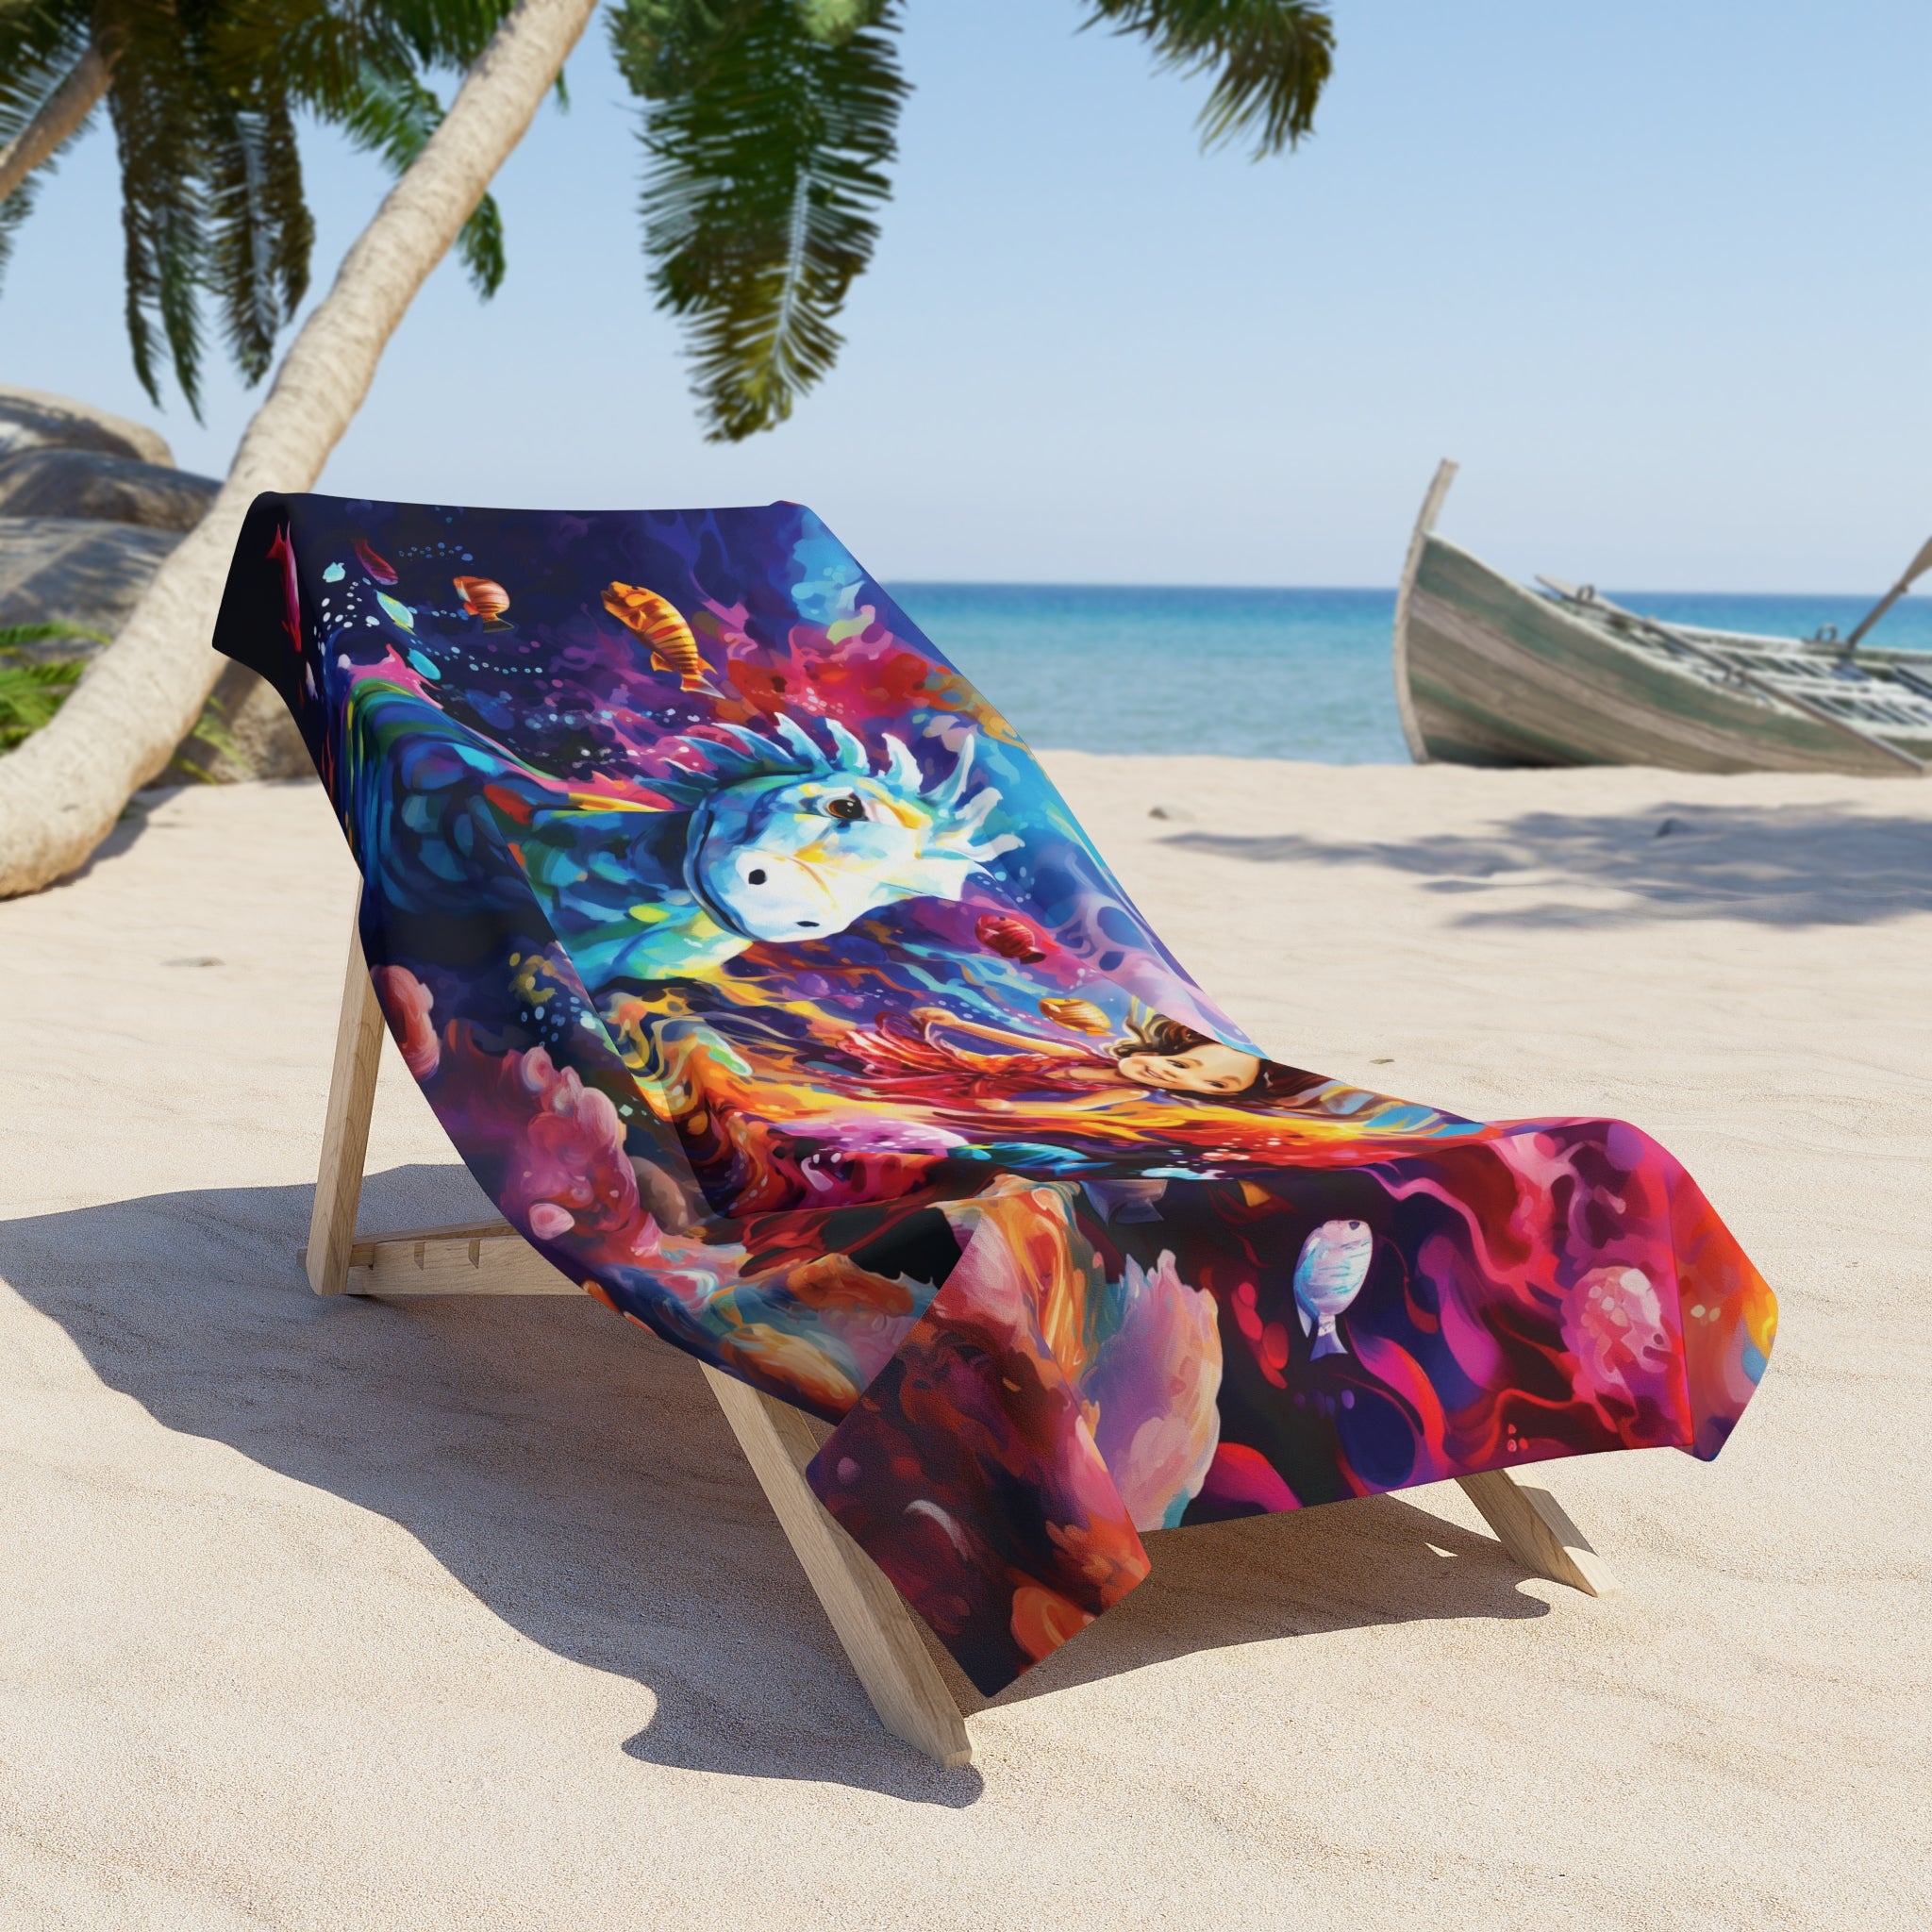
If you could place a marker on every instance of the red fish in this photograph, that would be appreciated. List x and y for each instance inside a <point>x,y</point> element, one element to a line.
<point>379,568</point>
<point>483,598</point>
<point>1011,938</point>
<point>281,551</point>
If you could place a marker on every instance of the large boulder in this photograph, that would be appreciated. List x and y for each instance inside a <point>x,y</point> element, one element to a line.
<point>75,571</point>
<point>50,482</point>
<point>90,505</point>
<point>31,419</point>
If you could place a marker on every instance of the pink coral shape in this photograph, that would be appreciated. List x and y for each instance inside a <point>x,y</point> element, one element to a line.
<point>405,1004</point>
<point>548,1221</point>
<point>1613,1324</point>
<point>1153,1380</point>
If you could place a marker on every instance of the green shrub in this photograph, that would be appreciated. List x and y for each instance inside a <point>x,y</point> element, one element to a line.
<point>32,689</point>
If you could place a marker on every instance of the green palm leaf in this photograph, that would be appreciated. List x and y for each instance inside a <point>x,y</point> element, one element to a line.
<point>32,690</point>
<point>1270,59</point>
<point>359,66</point>
<point>769,128</point>
<point>157,100</point>
<point>390,112</point>
<point>202,99</point>
<point>259,231</point>
<point>39,46</point>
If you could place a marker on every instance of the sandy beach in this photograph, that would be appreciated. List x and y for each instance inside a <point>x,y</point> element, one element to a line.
<point>470,1615</point>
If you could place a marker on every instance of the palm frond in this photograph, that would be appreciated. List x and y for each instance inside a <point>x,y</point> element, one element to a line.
<point>30,693</point>
<point>14,637</point>
<point>443,33</point>
<point>259,231</point>
<point>768,127</point>
<point>13,211</point>
<point>1270,59</point>
<point>392,113</point>
<point>666,48</point>
<point>158,105</point>
<point>40,45</point>
<point>358,65</point>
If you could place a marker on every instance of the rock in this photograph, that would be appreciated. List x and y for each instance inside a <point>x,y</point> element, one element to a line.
<point>90,505</point>
<point>245,733</point>
<point>92,574</point>
<point>88,483</point>
<point>77,571</point>
<point>30,419</point>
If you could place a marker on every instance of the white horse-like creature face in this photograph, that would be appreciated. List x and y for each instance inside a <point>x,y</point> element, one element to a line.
<point>793,857</point>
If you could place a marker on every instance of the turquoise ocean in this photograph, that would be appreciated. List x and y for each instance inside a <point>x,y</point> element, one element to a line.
<point>1290,674</point>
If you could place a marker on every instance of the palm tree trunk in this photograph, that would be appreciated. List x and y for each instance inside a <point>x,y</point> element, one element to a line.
<point>60,113</point>
<point>61,791</point>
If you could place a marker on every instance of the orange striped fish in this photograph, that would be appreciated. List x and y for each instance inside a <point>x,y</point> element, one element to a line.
<point>1077,1016</point>
<point>658,622</point>
<point>485,598</point>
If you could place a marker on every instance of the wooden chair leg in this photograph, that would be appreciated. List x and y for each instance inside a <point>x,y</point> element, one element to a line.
<point>345,1133</point>
<point>489,1257</point>
<point>1537,1531</point>
<point>868,1614</point>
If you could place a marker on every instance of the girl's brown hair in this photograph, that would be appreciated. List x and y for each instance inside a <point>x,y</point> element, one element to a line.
<point>1156,1033</point>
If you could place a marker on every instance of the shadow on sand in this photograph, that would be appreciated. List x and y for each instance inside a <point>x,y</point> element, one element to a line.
<point>1778,865</point>
<point>577,1478</point>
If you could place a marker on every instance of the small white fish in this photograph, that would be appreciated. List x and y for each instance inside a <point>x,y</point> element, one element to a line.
<point>1328,1274</point>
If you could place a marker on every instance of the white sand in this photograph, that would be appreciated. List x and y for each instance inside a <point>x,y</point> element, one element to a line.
<point>469,1615</point>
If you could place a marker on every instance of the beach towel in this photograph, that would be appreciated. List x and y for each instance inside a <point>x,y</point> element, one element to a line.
<point>763,978</point>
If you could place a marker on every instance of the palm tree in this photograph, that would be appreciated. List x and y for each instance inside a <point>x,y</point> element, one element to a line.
<point>202,95</point>
<point>769,124</point>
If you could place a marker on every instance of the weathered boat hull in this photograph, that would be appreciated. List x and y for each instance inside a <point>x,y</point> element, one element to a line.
<point>1491,673</point>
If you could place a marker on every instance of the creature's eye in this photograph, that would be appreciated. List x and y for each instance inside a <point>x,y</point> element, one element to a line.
<point>848,806</point>
<point>754,878</point>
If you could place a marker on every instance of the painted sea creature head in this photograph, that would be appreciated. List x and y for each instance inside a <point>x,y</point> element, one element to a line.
<point>801,852</point>
<point>1328,1274</point>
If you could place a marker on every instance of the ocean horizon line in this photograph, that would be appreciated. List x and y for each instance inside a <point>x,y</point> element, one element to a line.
<point>895,583</point>
<point>1279,670</point>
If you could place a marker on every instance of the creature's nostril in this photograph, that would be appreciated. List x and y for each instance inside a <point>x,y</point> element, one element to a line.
<point>814,922</point>
<point>754,878</point>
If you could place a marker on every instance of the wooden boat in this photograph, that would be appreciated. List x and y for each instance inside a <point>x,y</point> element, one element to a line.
<point>1489,672</point>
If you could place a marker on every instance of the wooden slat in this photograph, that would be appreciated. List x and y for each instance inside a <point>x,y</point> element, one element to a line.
<point>362,1253</point>
<point>868,1614</point>
<point>346,1131</point>
<point>1537,1531</point>
<point>473,1257</point>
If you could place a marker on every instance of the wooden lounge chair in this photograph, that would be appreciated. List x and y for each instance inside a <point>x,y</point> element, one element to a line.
<point>881,1637</point>
<point>775,996</point>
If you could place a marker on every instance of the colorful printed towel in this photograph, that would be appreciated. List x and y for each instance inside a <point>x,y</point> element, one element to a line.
<point>763,980</point>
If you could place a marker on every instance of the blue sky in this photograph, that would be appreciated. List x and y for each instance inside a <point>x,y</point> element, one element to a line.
<point>1656,273</point>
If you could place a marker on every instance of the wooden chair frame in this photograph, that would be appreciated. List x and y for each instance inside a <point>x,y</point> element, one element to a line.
<point>880,1636</point>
